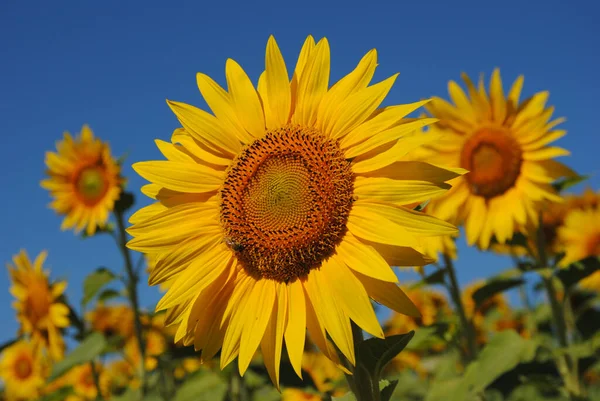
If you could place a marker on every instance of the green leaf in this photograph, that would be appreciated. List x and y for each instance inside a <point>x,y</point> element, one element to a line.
<point>349,396</point>
<point>87,350</point>
<point>266,393</point>
<point>568,182</point>
<point>209,384</point>
<point>493,287</point>
<point>107,294</point>
<point>94,283</point>
<point>386,389</point>
<point>8,343</point>
<point>437,277</point>
<point>426,336</point>
<point>375,353</point>
<point>583,349</point>
<point>129,395</point>
<point>578,271</point>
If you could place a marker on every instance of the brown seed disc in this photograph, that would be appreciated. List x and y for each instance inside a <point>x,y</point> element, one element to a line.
<point>493,158</point>
<point>285,202</point>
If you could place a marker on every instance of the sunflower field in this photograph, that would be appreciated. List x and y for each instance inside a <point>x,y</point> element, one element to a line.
<point>302,233</point>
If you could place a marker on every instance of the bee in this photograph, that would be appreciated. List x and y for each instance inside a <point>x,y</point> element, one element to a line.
<point>235,246</point>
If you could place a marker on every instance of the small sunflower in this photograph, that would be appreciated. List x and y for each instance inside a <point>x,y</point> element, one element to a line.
<point>296,394</point>
<point>431,305</point>
<point>39,310</point>
<point>112,320</point>
<point>116,376</point>
<point>23,371</point>
<point>579,236</point>
<point>82,379</point>
<point>284,210</point>
<point>504,145</point>
<point>325,374</point>
<point>84,181</point>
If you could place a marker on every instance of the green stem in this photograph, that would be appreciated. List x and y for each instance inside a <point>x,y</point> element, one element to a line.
<point>96,377</point>
<point>467,327</point>
<point>132,282</point>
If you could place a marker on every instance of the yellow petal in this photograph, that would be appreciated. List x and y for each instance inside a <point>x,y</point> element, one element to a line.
<point>312,85</point>
<point>515,92</point>
<point>277,83</point>
<point>305,53</point>
<point>497,97</point>
<point>389,294</point>
<point>545,153</point>
<point>203,271</point>
<point>272,341</point>
<point>200,150</point>
<point>205,128</point>
<point>397,192</point>
<point>147,212</point>
<point>349,294</point>
<point>416,170</point>
<point>364,259</point>
<point>221,104</point>
<point>366,223</point>
<point>295,331</point>
<point>244,99</point>
<point>238,304</point>
<point>183,177</point>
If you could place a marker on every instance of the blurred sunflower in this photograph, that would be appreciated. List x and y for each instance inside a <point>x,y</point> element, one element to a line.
<point>112,320</point>
<point>478,313</point>
<point>81,378</point>
<point>580,236</point>
<point>324,373</point>
<point>431,305</point>
<point>116,376</point>
<point>296,394</point>
<point>39,310</point>
<point>504,145</point>
<point>155,344</point>
<point>23,371</point>
<point>285,209</point>
<point>84,181</point>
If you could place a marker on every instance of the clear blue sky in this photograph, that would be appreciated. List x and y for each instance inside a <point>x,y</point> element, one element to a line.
<point>112,65</point>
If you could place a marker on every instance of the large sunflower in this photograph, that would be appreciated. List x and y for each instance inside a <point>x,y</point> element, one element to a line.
<point>23,371</point>
<point>284,210</point>
<point>38,307</point>
<point>84,181</point>
<point>504,145</point>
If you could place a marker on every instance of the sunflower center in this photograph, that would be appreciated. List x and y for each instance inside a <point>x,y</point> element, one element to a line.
<point>285,202</point>
<point>23,367</point>
<point>91,183</point>
<point>493,158</point>
<point>38,301</point>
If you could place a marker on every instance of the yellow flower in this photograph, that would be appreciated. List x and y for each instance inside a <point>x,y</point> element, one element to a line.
<point>504,145</point>
<point>407,360</point>
<point>84,181</point>
<point>431,305</point>
<point>284,210</point>
<point>39,310</point>
<point>112,320</point>
<point>22,370</point>
<point>591,282</point>
<point>150,263</point>
<point>82,379</point>
<point>580,235</point>
<point>324,373</point>
<point>155,344</point>
<point>294,394</point>
<point>116,376</point>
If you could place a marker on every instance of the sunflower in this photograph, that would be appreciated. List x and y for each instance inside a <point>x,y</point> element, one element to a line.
<point>431,305</point>
<point>504,145</point>
<point>580,235</point>
<point>324,373</point>
<point>23,371</point>
<point>39,311</point>
<point>296,394</point>
<point>284,210</point>
<point>112,320</point>
<point>82,379</point>
<point>116,376</point>
<point>84,181</point>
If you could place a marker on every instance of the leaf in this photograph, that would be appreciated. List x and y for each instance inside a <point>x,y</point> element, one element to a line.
<point>568,182</point>
<point>386,389</point>
<point>94,283</point>
<point>437,277</point>
<point>209,384</point>
<point>129,395</point>
<point>87,350</point>
<point>493,287</point>
<point>425,336</point>
<point>349,396</point>
<point>578,271</point>
<point>375,353</point>
<point>583,349</point>
<point>107,294</point>
<point>266,393</point>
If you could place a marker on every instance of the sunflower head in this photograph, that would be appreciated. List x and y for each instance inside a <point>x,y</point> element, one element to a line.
<point>84,181</point>
<point>22,370</point>
<point>282,211</point>
<point>431,305</point>
<point>116,376</point>
<point>39,309</point>
<point>505,145</point>
<point>579,236</point>
<point>112,320</point>
<point>81,378</point>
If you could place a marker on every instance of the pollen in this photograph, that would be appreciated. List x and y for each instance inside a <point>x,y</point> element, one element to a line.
<point>285,202</point>
<point>493,158</point>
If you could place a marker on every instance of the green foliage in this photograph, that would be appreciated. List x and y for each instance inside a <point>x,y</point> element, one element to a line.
<point>59,395</point>
<point>493,287</point>
<point>91,347</point>
<point>578,271</point>
<point>94,282</point>
<point>568,182</point>
<point>210,384</point>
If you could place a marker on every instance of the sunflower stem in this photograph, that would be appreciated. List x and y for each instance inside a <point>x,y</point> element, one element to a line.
<point>96,377</point>
<point>132,281</point>
<point>467,328</point>
<point>567,364</point>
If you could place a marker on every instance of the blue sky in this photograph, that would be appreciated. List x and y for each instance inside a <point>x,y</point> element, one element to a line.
<point>112,65</point>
